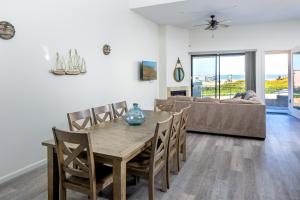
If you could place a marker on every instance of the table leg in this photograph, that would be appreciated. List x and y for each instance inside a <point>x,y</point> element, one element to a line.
<point>53,174</point>
<point>119,182</point>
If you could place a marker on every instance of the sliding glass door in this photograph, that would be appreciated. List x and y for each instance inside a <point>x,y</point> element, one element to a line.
<point>232,75</point>
<point>295,89</point>
<point>218,76</point>
<point>204,78</point>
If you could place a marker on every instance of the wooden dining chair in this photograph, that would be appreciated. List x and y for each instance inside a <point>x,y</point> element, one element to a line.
<point>182,136</point>
<point>80,120</point>
<point>102,114</point>
<point>119,109</point>
<point>154,159</point>
<point>173,145</point>
<point>163,105</point>
<point>86,178</point>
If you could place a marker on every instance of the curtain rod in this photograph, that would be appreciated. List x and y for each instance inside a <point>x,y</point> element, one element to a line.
<point>221,52</point>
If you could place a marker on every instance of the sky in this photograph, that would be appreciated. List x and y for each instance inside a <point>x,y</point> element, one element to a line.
<point>276,64</point>
<point>234,65</point>
<point>296,60</point>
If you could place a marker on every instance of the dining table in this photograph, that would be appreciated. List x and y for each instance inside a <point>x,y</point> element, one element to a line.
<point>114,143</point>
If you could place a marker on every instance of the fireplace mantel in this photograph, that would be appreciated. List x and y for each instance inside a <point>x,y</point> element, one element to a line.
<point>178,89</point>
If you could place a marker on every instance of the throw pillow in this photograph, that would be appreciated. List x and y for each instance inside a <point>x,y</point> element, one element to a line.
<point>250,94</point>
<point>240,95</point>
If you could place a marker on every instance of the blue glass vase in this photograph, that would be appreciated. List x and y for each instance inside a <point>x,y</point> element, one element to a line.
<point>135,116</point>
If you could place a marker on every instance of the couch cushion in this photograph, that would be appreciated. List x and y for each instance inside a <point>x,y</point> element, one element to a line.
<point>240,101</point>
<point>180,98</point>
<point>206,99</point>
<point>250,94</point>
<point>256,99</point>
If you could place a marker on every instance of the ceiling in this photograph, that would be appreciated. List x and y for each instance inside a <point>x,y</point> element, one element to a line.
<point>187,13</point>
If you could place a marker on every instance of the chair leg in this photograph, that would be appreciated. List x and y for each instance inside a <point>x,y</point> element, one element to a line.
<point>136,180</point>
<point>175,164</point>
<point>151,187</point>
<point>184,151</point>
<point>178,158</point>
<point>93,196</point>
<point>164,178</point>
<point>168,174</point>
<point>93,193</point>
<point>62,193</point>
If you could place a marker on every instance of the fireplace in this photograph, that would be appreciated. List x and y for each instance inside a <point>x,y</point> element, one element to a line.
<point>179,91</point>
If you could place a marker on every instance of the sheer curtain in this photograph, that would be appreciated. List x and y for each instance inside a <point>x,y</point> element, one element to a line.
<point>250,59</point>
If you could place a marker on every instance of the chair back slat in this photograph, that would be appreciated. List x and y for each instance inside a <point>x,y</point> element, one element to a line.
<point>71,147</point>
<point>160,144</point>
<point>175,130</point>
<point>77,173</point>
<point>163,105</point>
<point>80,120</point>
<point>183,124</point>
<point>102,114</point>
<point>120,109</point>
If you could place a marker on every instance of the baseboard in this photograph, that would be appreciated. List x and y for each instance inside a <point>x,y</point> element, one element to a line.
<point>22,171</point>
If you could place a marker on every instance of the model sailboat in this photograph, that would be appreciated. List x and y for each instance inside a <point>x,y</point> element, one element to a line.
<point>75,65</point>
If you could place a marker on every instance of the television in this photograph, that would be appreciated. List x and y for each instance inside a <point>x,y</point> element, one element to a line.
<point>148,71</point>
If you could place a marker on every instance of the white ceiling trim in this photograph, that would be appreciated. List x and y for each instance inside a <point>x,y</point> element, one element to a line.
<point>133,4</point>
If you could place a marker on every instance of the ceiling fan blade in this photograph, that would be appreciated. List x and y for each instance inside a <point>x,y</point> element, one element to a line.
<point>227,21</point>
<point>199,25</point>
<point>224,25</point>
<point>208,28</point>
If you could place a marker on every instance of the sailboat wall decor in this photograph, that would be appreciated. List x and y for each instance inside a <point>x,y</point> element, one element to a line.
<point>75,64</point>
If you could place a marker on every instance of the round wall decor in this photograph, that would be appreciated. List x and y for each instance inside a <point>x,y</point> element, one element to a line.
<point>7,30</point>
<point>106,49</point>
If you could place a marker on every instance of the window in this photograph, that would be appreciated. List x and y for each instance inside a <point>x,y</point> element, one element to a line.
<point>218,76</point>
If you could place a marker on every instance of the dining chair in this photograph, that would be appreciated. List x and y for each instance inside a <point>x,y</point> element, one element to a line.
<point>173,145</point>
<point>102,114</point>
<point>154,159</point>
<point>182,136</point>
<point>163,105</point>
<point>87,178</point>
<point>119,109</point>
<point>80,120</point>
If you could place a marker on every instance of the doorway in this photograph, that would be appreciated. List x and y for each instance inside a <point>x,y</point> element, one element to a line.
<point>277,65</point>
<point>295,84</point>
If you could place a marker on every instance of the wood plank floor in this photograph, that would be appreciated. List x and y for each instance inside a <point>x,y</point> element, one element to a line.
<point>218,168</point>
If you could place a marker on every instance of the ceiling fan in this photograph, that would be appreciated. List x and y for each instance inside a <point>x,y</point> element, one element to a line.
<point>213,24</point>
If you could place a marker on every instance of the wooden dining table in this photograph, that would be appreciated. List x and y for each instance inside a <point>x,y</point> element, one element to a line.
<point>113,143</point>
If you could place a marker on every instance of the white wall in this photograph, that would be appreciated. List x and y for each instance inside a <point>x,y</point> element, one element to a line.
<point>163,62</point>
<point>263,37</point>
<point>174,44</point>
<point>177,46</point>
<point>33,100</point>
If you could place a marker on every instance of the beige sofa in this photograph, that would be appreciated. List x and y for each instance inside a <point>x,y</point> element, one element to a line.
<point>239,117</point>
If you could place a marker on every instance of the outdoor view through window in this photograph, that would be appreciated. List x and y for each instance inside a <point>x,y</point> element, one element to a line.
<point>276,80</point>
<point>218,76</point>
<point>296,81</point>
